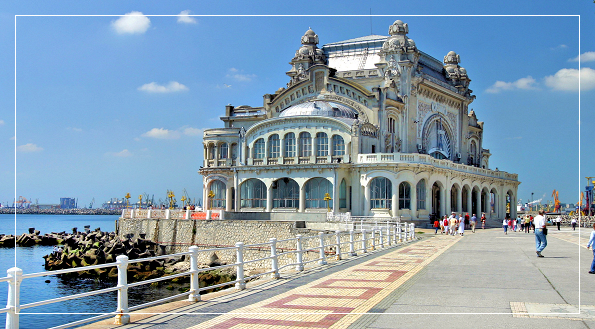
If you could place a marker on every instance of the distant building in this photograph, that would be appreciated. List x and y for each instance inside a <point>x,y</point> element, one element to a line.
<point>67,203</point>
<point>371,126</point>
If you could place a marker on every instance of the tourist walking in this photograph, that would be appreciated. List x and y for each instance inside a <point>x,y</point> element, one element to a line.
<point>473,222</point>
<point>505,225</point>
<point>527,224</point>
<point>540,233</point>
<point>558,221</point>
<point>453,224</point>
<point>589,245</point>
<point>483,220</point>
<point>573,223</point>
<point>461,225</point>
<point>436,225</point>
<point>441,224</point>
<point>445,223</point>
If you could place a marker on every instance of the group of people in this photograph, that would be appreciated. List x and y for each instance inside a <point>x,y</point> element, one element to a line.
<point>456,225</point>
<point>57,251</point>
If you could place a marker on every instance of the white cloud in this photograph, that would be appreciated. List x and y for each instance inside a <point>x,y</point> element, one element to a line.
<point>13,138</point>
<point>1,122</point>
<point>562,46</point>
<point>235,74</point>
<point>589,56</point>
<point>193,131</point>
<point>161,133</point>
<point>78,130</point>
<point>522,83</point>
<point>27,148</point>
<point>184,18</point>
<point>123,154</point>
<point>133,22</point>
<point>171,87</point>
<point>567,79</point>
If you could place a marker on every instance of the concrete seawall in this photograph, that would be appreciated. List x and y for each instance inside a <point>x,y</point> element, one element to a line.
<point>179,234</point>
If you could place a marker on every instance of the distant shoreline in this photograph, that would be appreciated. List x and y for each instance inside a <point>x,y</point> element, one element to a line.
<point>81,211</point>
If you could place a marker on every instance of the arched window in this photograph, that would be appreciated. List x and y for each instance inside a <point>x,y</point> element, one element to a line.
<point>473,153</point>
<point>321,144</point>
<point>218,201</point>
<point>421,194</point>
<point>211,151</point>
<point>316,189</point>
<point>343,195</point>
<point>381,193</point>
<point>404,196</point>
<point>492,202</point>
<point>391,125</point>
<point>253,194</point>
<point>258,150</point>
<point>286,193</point>
<point>338,145</point>
<point>305,149</point>
<point>436,140</point>
<point>289,145</point>
<point>223,151</point>
<point>274,146</point>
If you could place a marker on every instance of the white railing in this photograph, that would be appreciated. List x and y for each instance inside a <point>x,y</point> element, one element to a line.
<point>427,159</point>
<point>171,214</point>
<point>339,244</point>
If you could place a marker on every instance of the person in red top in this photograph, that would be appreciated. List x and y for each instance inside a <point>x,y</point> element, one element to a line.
<point>436,225</point>
<point>483,220</point>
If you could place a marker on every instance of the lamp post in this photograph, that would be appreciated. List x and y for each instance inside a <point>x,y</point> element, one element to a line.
<point>531,203</point>
<point>140,201</point>
<point>327,198</point>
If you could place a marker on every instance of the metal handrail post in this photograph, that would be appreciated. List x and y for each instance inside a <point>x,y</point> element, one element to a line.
<point>413,231</point>
<point>194,284</point>
<point>381,238</point>
<point>373,239</point>
<point>300,263</point>
<point>322,255</point>
<point>351,243</point>
<point>14,296</point>
<point>364,242</point>
<point>122,317</point>
<point>274,259</point>
<point>338,236</point>
<point>241,284</point>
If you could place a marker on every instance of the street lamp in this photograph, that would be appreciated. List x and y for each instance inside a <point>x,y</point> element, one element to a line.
<point>531,202</point>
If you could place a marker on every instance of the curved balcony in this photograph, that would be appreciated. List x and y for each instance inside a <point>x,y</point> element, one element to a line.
<point>427,159</point>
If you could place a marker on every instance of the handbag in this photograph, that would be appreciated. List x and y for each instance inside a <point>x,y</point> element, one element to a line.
<point>545,231</point>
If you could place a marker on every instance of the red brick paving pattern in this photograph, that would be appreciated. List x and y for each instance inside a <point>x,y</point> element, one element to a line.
<point>325,303</point>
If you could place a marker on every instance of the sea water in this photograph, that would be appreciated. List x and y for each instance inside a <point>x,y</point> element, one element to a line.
<point>30,260</point>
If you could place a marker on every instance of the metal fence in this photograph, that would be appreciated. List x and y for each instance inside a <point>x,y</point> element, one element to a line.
<point>329,244</point>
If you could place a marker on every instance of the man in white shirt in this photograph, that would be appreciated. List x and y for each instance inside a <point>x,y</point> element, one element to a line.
<point>540,239</point>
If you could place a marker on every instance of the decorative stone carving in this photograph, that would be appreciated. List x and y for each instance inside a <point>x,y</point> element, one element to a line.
<point>454,72</point>
<point>308,54</point>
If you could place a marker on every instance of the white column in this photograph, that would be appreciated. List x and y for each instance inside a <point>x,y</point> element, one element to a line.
<point>470,202</point>
<point>395,200</point>
<point>269,207</point>
<point>413,201</point>
<point>335,207</point>
<point>302,207</point>
<point>228,198</point>
<point>367,199</point>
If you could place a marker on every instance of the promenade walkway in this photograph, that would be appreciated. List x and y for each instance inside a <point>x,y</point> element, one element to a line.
<point>481,280</point>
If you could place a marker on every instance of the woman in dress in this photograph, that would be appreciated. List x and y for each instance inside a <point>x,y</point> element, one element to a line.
<point>461,225</point>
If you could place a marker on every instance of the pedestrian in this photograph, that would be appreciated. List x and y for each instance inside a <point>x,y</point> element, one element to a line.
<point>527,224</point>
<point>589,245</point>
<point>558,221</point>
<point>445,223</point>
<point>55,251</point>
<point>540,233</point>
<point>461,225</point>
<point>505,225</point>
<point>473,222</point>
<point>466,220</point>
<point>483,220</point>
<point>436,225</point>
<point>441,224</point>
<point>453,224</point>
<point>573,223</point>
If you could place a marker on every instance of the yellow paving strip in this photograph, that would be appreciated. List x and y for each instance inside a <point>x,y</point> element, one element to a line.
<point>323,303</point>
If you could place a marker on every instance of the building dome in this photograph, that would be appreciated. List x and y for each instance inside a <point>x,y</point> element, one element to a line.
<point>319,108</point>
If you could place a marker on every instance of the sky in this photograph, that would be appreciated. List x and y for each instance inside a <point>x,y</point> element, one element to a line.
<point>117,104</point>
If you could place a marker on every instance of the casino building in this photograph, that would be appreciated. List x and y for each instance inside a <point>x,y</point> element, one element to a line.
<point>382,127</point>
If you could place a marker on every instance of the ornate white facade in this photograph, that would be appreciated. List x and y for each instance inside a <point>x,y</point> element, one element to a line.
<point>379,125</point>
